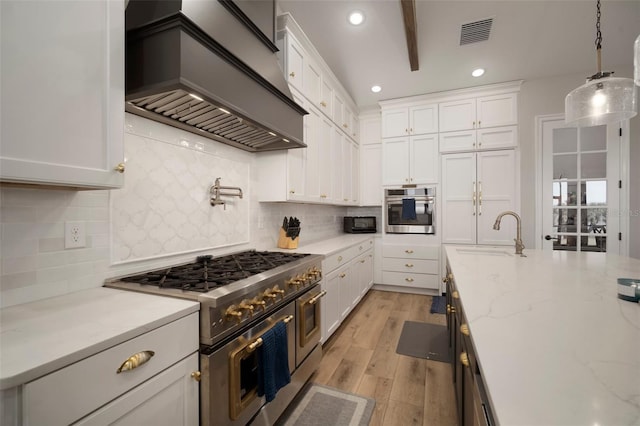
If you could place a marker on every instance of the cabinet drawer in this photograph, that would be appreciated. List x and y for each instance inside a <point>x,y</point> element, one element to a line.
<point>498,137</point>
<point>345,256</point>
<point>457,141</point>
<point>407,251</point>
<point>93,382</point>
<point>411,280</point>
<point>415,266</point>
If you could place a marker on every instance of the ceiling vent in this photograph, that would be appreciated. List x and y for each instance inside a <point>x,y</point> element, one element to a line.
<point>474,32</point>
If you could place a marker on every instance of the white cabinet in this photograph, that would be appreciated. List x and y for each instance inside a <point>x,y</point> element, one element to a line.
<point>411,266</point>
<point>481,112</point>
<point>410,160</point>
<point>370,160</point>
<point>371,175</point>
<point>412,120</point>
<point>346,274</point>
<point>482,123</point>
<point>93,392</point>
<point>63,93</point>
<point>476,187</point>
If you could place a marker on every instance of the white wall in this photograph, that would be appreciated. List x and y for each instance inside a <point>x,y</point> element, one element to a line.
<point>546,96</point>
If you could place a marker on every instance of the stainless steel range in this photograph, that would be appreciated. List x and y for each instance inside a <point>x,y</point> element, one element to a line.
<point>242,295</point>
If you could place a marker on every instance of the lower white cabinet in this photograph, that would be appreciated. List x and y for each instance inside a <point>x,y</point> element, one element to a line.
<point>91,391</point>
<point>411,266</point>
<point>348,275</point>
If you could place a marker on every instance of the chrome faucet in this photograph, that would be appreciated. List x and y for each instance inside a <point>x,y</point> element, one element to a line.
<point>518,239</point>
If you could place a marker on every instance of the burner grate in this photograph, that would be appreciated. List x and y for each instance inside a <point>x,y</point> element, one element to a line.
<point>209,272</point>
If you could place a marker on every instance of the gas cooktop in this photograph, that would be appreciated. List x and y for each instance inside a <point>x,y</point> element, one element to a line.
<point>208,272</point>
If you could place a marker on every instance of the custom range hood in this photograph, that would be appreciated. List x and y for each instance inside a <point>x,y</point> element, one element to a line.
<point>210,67</point>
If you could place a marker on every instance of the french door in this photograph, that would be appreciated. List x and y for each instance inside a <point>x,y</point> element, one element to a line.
<point>580,187</point>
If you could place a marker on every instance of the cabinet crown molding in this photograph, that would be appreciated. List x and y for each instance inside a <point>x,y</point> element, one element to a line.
<point>451,95</point>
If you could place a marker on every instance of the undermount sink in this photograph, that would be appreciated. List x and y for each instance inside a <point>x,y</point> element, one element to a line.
<point>491,251</point>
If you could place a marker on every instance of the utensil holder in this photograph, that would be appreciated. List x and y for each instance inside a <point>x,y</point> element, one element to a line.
<point>287,242</point>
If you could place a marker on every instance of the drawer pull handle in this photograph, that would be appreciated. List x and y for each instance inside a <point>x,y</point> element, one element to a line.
<point>409,265</point>
<point>342,275</point>
<point>464,329</point>
<point>410,280</point>
<point>464,359</point>
<point>408,251</point>
<point>135,361</point>
<point>339,258</point>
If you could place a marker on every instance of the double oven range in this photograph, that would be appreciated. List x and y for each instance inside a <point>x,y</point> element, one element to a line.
<point>243,295</point>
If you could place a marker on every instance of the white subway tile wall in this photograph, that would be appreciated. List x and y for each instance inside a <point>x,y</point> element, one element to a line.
<point>34,264</point>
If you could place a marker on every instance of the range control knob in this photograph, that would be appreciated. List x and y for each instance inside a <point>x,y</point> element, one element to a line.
<point>259,303</point>
<point>296,281</point>
<point>232,314</point>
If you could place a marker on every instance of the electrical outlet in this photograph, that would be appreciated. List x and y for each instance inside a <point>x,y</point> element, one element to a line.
<point>74,235</point>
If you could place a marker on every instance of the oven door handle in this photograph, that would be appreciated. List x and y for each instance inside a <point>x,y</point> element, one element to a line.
<point>315,298</point>
<point>254,345</point>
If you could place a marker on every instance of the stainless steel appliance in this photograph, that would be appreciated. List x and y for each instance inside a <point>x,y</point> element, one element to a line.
<point>410,210</point>
<point>243,295</point>
<point>360,224</point>
<point>210,68</point>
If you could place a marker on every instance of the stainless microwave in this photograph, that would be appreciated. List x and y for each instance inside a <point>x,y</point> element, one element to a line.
<point>410,210</point>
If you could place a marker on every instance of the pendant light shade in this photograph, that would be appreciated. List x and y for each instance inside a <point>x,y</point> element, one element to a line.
<point>601,101</point>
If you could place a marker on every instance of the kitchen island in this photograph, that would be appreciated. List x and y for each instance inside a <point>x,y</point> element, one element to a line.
<point>553,343</point>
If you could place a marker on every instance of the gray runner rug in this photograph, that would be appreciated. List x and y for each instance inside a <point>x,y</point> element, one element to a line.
<point>318,405</point>
<point>424,340</point>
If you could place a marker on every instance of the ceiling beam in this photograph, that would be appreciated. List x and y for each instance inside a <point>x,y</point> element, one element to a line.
<point>410,29</point>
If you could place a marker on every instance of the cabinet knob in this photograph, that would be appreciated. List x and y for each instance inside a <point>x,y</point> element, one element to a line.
<point>408,251</point>
<point>119,168</point>
<point>479,122</point>
<point>292,74</point>
<point>473,124</point>
<point>342,275</point>
<point>451,309</point>
<point>345,125</point>
<point>409,280</point>
<point>464,359</point>
<point>409,265</point>
<point>339,258</point>
<point>196,375</point>
<point>292,191</point>
<point>323,103</point>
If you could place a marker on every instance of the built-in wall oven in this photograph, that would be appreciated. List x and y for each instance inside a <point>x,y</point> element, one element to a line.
<point>242,296</point>
<point>410,210</point>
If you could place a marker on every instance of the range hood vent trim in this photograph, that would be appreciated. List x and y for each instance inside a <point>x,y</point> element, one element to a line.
<point>240,130</point>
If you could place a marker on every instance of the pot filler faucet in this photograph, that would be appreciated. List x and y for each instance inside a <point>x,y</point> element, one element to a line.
<point>216,191</point>
<point>518,239</point>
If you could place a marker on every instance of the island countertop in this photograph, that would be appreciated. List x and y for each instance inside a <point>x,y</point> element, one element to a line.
<point>554,344</point>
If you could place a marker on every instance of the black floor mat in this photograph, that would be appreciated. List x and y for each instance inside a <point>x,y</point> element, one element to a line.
<point>424,340</point>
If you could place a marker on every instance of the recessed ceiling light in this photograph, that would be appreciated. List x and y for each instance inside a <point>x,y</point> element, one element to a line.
<point>356,17</point>
<point>477,72</point>
<point>376,89</point>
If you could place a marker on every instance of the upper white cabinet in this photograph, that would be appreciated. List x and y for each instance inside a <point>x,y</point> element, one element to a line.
<point>410,160</point>
<point>370,160</point>
<point>480,112</point>
<point>480,123</point>
<point>62,93</point>
<point>412,120</point>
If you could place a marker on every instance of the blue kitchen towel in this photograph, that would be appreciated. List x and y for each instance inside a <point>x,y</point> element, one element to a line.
<point>273,362</point>
<point>438,305</point>
<point>409,209</point>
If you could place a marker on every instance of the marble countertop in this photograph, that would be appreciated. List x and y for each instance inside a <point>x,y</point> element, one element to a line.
<point>554,343</point>
<point>40,337</point>
<point>331,245</point>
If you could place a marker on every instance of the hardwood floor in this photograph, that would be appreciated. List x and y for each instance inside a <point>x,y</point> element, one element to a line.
<point>361,358</point>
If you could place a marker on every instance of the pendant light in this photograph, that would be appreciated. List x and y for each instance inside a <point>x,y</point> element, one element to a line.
<point>602,99</point>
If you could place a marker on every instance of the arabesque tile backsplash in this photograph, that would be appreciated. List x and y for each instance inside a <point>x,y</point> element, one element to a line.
<point>162,216</point>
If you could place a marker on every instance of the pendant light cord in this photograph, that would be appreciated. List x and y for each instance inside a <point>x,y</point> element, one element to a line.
<point>598,40</point>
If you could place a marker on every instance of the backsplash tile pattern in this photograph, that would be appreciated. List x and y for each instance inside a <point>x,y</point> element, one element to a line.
<point>34,263</point>
<point>164,206</point>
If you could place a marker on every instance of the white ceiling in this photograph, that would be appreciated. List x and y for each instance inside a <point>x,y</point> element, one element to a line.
<point>529,39</point>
